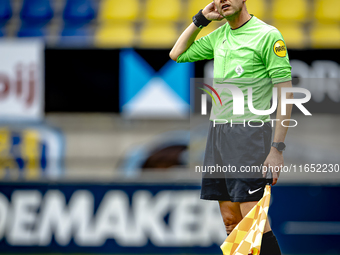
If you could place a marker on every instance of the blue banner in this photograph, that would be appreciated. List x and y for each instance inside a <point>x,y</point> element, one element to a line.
<point>145,92</point>
<point>153,219</point>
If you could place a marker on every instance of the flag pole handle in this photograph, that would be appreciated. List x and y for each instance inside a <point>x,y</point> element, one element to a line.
<point>269,177</point>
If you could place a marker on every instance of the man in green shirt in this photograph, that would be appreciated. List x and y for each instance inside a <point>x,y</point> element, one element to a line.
<point>247,53</point>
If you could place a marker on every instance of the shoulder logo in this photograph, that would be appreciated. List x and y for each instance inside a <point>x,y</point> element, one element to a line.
<point>280,49</point>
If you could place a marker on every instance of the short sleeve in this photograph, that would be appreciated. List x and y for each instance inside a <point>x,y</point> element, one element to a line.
<point>275,57</point>
<point>199,50</point>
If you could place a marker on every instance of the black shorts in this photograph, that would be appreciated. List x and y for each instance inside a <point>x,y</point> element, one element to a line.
<point>236,154</point>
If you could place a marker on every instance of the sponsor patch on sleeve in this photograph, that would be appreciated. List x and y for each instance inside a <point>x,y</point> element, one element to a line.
<point>280,49</point>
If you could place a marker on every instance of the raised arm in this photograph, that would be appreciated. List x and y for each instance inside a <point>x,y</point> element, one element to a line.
<point>190,34</point>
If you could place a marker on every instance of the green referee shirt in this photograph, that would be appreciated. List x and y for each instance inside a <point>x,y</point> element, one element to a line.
<point>254,55</point>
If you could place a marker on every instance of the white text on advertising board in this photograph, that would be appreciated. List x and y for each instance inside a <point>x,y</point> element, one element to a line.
<point>31,219</point>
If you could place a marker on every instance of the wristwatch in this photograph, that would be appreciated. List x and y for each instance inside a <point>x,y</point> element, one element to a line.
<point>279,146</point>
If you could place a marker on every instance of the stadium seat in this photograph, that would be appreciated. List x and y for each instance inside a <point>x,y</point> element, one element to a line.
<point>115,35</point>
<point>290,10</point>
<point>158,35</point>
<point>5,11</point>
<point>293,34</point>
<point>75,35</point>
<point>257,8</point>
<point>325,36</point>
<point>78,11</point>
<point>31,31</point>
<point>36,11</point>
<point>119,10</point>
<point>195,5</point>
<point>327,10</point>
<point>75,31</point>
<point>163,10</point>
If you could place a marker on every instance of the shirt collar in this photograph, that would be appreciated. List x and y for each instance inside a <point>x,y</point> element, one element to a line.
<point>244,25</point>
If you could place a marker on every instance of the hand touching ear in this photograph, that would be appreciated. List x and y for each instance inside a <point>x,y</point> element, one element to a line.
<point>210,12</point>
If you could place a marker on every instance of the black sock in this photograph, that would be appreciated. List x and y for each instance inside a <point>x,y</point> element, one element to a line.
<point>269,245</point>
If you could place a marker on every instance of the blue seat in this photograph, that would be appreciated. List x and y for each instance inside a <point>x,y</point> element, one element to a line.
<point>1,33</point>
<point>75,31</point>
<point>78,11</point>
<point>75,35</point>
<point>36,11</point>
<point>5,11</point>
<point>31,31</point>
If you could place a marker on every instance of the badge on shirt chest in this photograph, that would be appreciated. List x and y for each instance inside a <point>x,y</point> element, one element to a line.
<point>239,70</point>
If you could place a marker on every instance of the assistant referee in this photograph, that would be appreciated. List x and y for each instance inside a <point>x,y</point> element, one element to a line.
<point>253,54</point>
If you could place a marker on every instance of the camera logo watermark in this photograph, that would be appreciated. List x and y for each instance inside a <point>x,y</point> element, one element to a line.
<point>239,102</point>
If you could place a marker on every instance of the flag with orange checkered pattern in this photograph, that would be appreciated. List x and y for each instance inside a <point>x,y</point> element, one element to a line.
<point>247,235</point>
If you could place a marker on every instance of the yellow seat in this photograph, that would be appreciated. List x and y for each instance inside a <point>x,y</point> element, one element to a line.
<point>115,35</point>
<point>257,7</point>
<point>327,10</point>
<point>293,34</point>
<point>325,36</point>
<point>291,10</point>
<point>119,10</point>
<point>210,28</point>
<point>195,5</point>
<point>163,10</point>
<point>158,35</point>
